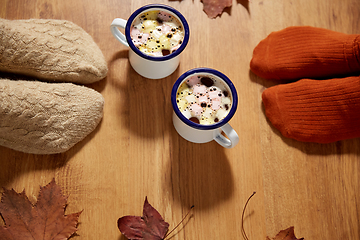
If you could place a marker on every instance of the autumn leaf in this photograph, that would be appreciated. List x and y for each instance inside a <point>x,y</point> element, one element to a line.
<point>215,7</point>
<point>44,220</point>
<point>287,234</point>
<point>151,226</point>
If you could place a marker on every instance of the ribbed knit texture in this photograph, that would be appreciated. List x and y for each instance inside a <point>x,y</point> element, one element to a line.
<point>315,111</point>
<point>55,50</point>
<point>46,118</point>
<point>306,52</point>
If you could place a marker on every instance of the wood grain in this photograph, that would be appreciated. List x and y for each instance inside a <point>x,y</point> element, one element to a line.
<point>135,151</point>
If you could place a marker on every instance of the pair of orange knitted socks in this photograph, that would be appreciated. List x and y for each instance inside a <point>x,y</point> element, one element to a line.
<point>321,111</point>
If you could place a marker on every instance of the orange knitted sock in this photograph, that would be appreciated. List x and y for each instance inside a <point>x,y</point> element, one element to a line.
<point>306,52</point>
<point>315,111</point>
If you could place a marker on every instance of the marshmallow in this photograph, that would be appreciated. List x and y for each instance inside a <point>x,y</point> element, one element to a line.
<point>186,113</point>
<point>193,80</point>
<point>195,109</point>
<point>191,99</point>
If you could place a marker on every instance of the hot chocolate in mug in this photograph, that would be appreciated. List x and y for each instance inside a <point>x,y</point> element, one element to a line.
<point>156,35</point>
<point>204,100</point>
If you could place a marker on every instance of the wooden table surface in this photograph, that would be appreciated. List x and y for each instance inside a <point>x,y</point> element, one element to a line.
<point>135,151</point>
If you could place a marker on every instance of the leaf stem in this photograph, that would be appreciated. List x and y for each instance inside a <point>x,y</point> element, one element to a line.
<point>179,222</point>
<point>242,217</point>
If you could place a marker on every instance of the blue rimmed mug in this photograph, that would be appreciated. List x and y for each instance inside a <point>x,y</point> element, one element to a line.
<point>200,133</point>
<point>153,67</point>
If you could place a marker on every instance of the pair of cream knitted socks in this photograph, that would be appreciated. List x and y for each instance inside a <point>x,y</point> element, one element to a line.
<point>43,117</point>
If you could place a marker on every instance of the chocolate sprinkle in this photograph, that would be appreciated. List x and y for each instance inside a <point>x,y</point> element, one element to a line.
<point>207,81</point>
<point>194,119</point>
<point>159,20</point>
<point>165,52</point>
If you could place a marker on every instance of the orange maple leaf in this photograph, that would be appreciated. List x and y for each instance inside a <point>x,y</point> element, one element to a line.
<point>287,234</point>
<point>44,220</point>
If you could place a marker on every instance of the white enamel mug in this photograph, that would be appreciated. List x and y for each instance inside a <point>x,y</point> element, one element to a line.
<point>199,133</point>
<point>153,67</point>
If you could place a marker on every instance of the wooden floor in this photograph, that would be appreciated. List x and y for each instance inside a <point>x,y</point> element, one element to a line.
<point>135,151</point>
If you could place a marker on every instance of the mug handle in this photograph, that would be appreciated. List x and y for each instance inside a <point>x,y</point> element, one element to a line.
<point>232,139</point>
<point>121,23</point>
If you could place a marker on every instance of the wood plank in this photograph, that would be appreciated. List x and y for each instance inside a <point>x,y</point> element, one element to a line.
<point>135,151</point>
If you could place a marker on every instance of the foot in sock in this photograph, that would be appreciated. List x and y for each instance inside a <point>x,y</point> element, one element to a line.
<point>50,49</point>
<point>306,52</point>
<point>315,111</point>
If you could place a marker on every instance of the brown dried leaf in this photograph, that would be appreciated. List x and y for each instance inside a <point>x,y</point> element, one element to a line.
<point>215,7</point>
<point>287,234</point>
<point>44,220</point>
<point>151,226</point>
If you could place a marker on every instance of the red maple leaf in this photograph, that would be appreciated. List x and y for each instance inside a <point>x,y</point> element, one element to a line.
<point>151,226</point>
<point>215,7</point>
<point>44,220</point>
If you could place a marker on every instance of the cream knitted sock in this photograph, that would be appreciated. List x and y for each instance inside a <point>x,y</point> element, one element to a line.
<point>56,50</point>
<point>46,118</point>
